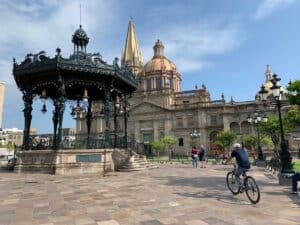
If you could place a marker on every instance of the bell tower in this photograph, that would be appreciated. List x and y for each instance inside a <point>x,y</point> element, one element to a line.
<point>131,55</point>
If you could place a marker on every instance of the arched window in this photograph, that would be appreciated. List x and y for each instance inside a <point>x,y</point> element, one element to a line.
<point>234,126</point>
<point>212,139</point>
<point>148,84</point>
<point>246,127</point>
<point>158,83</point>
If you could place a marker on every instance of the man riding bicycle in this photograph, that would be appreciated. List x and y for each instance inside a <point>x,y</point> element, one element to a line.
<point>242,160</point>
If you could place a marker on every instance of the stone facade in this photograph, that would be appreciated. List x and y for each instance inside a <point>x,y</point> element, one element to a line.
<point>160,108</point>
<point>11,136</point>
<point>65,162</point>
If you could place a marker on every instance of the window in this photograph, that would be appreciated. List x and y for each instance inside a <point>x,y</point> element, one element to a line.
<point>179,122</point>
<point>180,142</point>
<point>170,81</point>
<point>161,134</point>
<point>149,84</point>
<point>158,83</point>
<point>213,120</point>
<point>190,121</point>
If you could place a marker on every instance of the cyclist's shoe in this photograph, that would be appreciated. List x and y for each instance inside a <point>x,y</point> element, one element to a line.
<point>242,189</point>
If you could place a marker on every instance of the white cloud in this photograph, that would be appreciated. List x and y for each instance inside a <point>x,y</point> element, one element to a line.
<point>6,71</point>
<point>187,46</point>
<point>45,26</point>
<point>267,7</point>
<point>33,26</point>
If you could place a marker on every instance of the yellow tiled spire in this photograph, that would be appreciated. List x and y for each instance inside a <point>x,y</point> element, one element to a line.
<point>131,56</point>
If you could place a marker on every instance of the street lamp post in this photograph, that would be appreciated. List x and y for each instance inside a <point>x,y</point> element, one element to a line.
<point>257,119</point>
<point>194,134</point>
<point>285,156</point>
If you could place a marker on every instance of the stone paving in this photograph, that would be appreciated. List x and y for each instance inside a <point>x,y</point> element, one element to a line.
<point>171,194</point>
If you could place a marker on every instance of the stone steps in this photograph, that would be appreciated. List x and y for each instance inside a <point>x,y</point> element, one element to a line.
<point>136,163</point>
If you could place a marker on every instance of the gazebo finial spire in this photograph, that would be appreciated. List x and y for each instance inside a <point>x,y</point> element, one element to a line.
<point>80,15</point>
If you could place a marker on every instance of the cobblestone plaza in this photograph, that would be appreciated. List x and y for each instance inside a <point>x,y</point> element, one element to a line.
<point>172,194</point>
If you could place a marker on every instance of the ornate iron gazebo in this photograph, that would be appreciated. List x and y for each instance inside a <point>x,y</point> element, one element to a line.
<point>81,77</point>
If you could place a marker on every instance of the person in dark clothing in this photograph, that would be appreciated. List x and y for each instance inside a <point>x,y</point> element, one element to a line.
<point>195,152</point>
<point>295,179</point>
<point>202,156</point>
<point>242,160</point>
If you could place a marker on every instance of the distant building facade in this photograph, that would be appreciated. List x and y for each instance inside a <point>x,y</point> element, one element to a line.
<point>160,108</point>
<point>12,136</point>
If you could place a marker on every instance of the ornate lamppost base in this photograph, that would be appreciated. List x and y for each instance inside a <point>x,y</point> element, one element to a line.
<point>261,161</point>
<point>286,172</point>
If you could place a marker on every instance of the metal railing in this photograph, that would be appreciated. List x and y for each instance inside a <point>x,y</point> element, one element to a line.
<point>273,165</point>
<point>46,143</point>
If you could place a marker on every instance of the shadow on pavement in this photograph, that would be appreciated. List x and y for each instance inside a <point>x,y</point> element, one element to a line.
<point>222,197</point>
<point>216,183</point>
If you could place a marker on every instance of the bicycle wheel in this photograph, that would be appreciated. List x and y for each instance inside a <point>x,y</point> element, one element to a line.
<point>232,183</point>
<point>252,190</point>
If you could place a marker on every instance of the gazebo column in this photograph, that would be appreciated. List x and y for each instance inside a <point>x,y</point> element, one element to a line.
<point>55,122</point>
<point>89,122</point>
<point>61,109</point>
<point>60,104</point>
<point>27,98</point>
<point>126,115</point>
<point>116,105</point>
<point>106,116</point>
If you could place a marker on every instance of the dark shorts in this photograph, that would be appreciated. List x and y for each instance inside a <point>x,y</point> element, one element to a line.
<point>202,157</point>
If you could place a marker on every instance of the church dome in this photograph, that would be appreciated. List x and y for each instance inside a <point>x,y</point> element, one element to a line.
<point>159,62</point>
<point>80,37</point>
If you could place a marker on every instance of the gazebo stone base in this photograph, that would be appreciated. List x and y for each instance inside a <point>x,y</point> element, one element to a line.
<point>65,162</point>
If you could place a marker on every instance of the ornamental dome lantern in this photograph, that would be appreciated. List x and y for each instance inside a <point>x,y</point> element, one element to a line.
<point>80,40</point>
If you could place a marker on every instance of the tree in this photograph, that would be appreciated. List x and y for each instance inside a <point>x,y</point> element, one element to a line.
<point>294,90</point>
<point>158,146</point>
<point>292,118</point>
<point>10,147</point>
<point>250,142</point>
<point>271,129</point>
<point>169,142</point>
<point>225,139</point>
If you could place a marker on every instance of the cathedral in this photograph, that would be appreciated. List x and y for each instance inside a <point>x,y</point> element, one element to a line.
<point>159,107</point>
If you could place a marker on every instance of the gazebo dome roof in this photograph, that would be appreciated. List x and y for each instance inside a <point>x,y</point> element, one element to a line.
<point>80,37</point>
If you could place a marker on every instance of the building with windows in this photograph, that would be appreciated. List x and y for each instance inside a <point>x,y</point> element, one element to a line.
<point>12,136</point>
<point>159,107</point>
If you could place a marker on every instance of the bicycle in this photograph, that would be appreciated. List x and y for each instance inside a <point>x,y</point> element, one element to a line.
<point>249,185</point>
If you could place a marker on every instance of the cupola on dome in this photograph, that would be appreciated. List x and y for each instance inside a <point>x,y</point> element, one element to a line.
<point>159,62</point>
<point>80,37</point>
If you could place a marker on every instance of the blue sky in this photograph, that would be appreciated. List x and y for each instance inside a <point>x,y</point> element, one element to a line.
<point>223,44</point>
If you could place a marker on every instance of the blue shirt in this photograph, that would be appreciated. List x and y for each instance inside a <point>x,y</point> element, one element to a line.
<point>241,157</point>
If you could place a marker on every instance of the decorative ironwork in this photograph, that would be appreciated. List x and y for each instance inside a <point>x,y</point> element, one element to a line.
<point>82,76</point>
